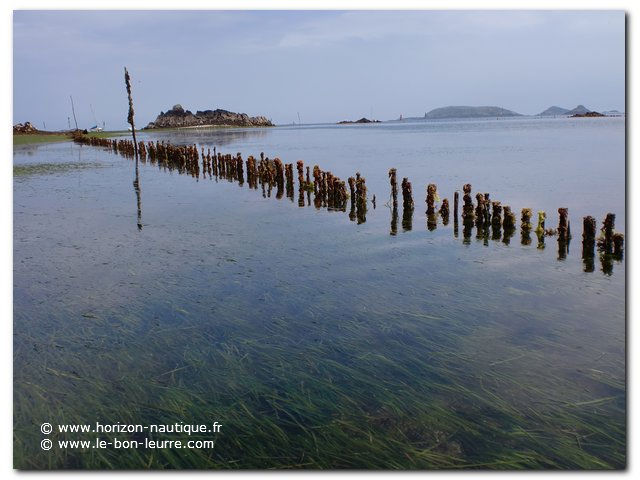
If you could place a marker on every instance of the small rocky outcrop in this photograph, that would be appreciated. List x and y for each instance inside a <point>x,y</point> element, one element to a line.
<point>24,128</point>
<point>178,117</point>
<point>587,114</point>
<point>362,120</point>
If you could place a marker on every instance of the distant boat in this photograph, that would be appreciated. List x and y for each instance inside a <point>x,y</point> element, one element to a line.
<point>95,128</point>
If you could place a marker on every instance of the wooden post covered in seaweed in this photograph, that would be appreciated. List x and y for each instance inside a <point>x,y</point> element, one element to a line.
<point>588,243</point>
<point>431,198</point>
<point>508,224</point>
<point>444,212</point>
<point>605,243</point>
<point>407,204</point>
<point>467,207</point>
<point>300,167</point>
<point>288,172</point>
<point>496,220</point>
<point>407,194</point>
<point>618,243</point>
<point>525,226</point>
<point>455,204</point>
<point>361,198</point>
<point>540,229</point>
<point>394,186</point>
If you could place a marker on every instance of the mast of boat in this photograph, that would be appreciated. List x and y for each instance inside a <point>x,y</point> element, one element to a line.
<point>95,122</point>
<point>74,112</point>
<point>299,122</point>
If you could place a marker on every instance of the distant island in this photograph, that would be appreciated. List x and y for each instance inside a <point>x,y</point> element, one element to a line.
<point>362,120</point>
<point>579,111</point>
<point>178,117</point>
<point>469,112</point>
<point>553,111</point>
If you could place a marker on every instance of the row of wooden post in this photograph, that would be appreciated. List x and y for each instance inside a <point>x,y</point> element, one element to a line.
<point>331,192</point>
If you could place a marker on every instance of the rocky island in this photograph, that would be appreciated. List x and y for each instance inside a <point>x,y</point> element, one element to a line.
<point>362,120</point>
<point>178,117</point>
<point>469,112</point>
<point>588,114</point>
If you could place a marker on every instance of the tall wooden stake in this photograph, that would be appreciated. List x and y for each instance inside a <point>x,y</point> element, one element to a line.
<point>127,81</point>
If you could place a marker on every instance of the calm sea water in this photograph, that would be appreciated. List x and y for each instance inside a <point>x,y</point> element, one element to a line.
<point>317,341</point>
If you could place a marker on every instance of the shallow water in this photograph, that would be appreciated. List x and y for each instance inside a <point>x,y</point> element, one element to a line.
<point>316,341</point>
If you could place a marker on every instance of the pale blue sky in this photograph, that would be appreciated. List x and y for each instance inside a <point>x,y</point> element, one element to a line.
<point>327,65</point>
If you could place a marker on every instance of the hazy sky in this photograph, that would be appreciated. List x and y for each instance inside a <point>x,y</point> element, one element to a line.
<point>327,65</point>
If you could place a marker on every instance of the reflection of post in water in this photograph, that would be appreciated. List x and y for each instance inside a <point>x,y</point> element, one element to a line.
<point>432,222</point>
<point>467,230</point>
<point>394,220</point>
<point>606,263</point>
<point>407,219</point>
<point>136,188</point>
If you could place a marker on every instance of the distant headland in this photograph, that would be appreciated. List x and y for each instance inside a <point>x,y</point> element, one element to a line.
<point>178,117</point>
